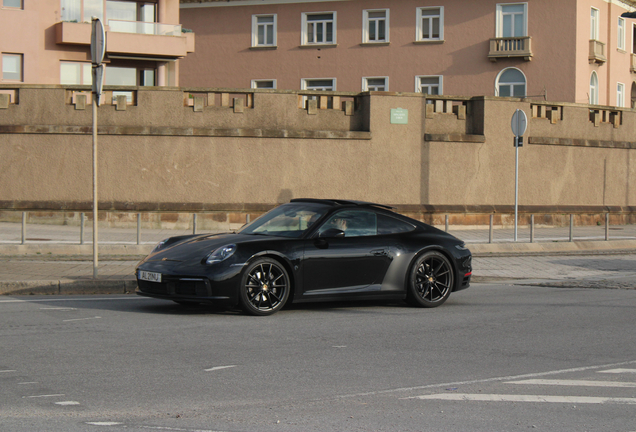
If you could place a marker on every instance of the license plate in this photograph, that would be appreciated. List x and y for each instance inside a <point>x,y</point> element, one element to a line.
<point>149,276</point>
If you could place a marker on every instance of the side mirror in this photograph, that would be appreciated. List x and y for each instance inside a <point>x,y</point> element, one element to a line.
<point>332,233</point>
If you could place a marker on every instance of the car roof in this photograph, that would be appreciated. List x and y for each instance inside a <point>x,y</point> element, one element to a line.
<point>340,202</point>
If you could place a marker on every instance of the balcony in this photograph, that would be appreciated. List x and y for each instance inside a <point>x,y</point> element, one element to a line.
<point>632,66</point>
<point>597,52</point>
<point>510,47</point>
<point>133,38</point>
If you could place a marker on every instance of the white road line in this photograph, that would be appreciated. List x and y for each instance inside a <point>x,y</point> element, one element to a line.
<point>7,371</point>
<point>42,396</point>
<point>526,398</point>
<point>219,368</point>
<point>582,383</point>
<point>484,380</point>
<point>67,403</point>
<point>104,423</point>
<point>618,371</point>
<point>59,308</point>
<point>74,299</point>
<point>81,319</point>
<point>25,383</point>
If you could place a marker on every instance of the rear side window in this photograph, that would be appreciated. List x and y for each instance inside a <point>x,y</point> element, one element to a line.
<point>391,225</point>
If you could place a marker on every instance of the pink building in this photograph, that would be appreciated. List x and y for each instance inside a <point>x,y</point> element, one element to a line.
<point>48,41</point>
<point>578,51</point>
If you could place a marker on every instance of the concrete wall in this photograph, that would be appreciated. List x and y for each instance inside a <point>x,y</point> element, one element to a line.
<point>240,150</point>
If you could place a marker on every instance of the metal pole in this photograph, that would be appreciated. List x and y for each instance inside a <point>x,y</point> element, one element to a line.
<point>531,228</point>
<point>446,223</point>
<point>23,227</point>
<point>194,223</point>
<point>95,209</point>
<point>138,228</point>
<point>82,216</point>
<point>606,226</point>
<point>490,230</point>
<point>571,226</point>
<point>516,184</point>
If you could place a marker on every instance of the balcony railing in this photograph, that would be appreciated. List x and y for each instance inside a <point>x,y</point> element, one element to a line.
<point>632,66</point>
<point>510,47</point>
<point>597,52</point>
<point>149,28</point>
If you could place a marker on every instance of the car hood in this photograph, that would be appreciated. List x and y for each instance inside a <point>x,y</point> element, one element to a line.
<point>198,247</point>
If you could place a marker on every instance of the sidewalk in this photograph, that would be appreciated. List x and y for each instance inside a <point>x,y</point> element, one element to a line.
<point>52,260</point>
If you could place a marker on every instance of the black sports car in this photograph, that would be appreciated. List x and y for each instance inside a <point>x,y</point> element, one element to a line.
<point>310,250</point>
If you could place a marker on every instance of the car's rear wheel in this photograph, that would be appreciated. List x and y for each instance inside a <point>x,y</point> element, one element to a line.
<point>431,280</point>
<point>264,287</point>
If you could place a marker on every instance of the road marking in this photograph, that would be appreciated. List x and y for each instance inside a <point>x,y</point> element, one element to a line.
<point>583,383</point>
<point>81,319</point>
<point>73,299</point>
<point>618,371</point>
<point>526,398</point>
<point>219,368</point>
<point>484,380</point>
<point>67,403</point>
<point>42,396</point>
<point>339,346</point>
<point>7,371</point>
<point>25,383</point>
<point>59,308</point>
<point>103,423</point>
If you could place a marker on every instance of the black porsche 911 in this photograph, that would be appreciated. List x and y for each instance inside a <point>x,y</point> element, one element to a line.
<point>310,250</point>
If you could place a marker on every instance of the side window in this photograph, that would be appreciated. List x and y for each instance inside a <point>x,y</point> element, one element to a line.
<point>391,225</point>
<point>354,223</point>
<point>264,30</point>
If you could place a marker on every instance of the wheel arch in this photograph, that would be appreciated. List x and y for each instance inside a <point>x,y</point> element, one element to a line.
<point>284,261</point>
<point>424,250</point>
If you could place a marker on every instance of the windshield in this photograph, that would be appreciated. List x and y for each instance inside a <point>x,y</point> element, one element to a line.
<point>288,220</point>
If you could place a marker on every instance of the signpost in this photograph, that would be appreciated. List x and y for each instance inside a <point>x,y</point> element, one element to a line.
<point>519,124</point>
<point>98,50</point>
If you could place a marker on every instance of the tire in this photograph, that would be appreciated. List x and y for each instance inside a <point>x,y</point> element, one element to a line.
<point>431,280</point>
<point>264,287</point>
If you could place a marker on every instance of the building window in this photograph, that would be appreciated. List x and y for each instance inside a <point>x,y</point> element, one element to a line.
<point>75,73</point>
<point>82,10</point>
<point>263,84</point>
<point>594,24</point>
<point>264,30</point>
<point>620,95</point>
<point>511,82</point>
<point>512,20</point>
<point>431,85</point>
<point>11,67</point>
<point>430,24</point>
<point>375,26</point>
<point>12,4</point>
<point>375,84</point>
<point>319,84</point>
<point>621,34</point>
<point>319,28</point>
<point>594,89</point>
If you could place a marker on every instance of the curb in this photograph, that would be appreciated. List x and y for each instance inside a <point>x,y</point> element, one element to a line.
<point>484,249</point>
<point>69,287</point>
<point>73,249</point>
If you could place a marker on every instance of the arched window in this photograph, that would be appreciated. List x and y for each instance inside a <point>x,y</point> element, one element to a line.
<point>594,89</point>
<point>511,82</point>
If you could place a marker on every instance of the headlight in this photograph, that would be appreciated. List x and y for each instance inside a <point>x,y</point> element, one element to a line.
<point>160,245</point>
<point>461,247</point>
<point>221,254</point>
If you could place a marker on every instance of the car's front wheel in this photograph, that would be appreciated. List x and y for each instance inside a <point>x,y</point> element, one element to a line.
<point>264,287</point>
<point>431,280</point>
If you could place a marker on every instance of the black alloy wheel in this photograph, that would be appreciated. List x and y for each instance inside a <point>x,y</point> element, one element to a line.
<point>431,280</point>
<point>264,287</point>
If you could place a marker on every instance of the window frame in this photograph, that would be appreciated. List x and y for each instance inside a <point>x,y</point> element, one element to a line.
<point>440,85</point>
<point>419,27</point>
<point>304,41</point>
<point>20,63</point>
<point>21,7</point>
<point>365,26</point>
<point>81,75</point>
<point>620,95</point>
<point>254,82</point>
<point>303,83</point>
<point>595,22</point>
<point>525,83</point>
<point>594,90</point>
<point>621,31</point>
<point>365,83</point>
<point>500,19</point>
<point>255,26</point>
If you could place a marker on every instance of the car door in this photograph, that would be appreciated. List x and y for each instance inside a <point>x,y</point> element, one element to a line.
<point>346,256</point>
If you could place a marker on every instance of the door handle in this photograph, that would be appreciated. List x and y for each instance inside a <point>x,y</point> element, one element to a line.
<point>379,252</point>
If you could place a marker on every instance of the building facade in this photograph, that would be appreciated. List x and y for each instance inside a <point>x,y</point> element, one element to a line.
<point>579,51</point>
<point>48,41</point>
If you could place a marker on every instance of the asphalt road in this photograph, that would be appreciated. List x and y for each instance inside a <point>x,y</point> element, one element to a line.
<point>496,357</point>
